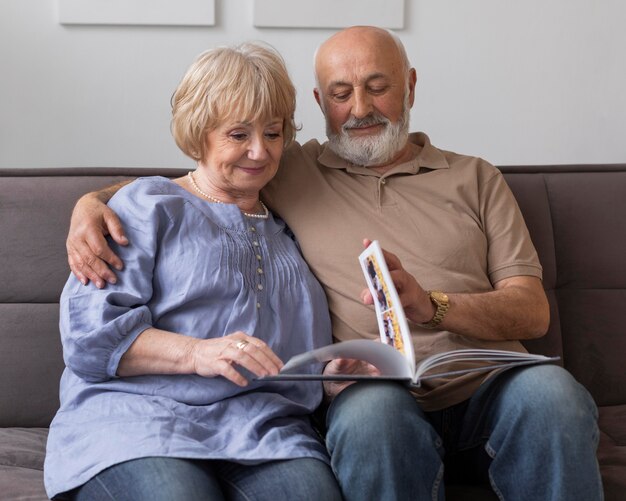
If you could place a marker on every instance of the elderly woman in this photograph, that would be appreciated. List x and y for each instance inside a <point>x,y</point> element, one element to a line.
<point>159,399</point>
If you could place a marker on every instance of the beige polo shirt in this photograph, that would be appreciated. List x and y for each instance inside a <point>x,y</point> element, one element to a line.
<point>451,219</point>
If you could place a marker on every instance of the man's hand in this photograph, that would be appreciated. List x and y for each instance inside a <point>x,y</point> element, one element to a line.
<point>516,309</point>
<point>88,253</point>
<point>416,303</point>
<point>345,366</point>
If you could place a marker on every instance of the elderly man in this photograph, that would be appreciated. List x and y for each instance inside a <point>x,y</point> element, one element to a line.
<point>468,277</point>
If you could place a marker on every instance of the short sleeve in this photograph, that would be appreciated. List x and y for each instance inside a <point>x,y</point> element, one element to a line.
<point>510,248</point>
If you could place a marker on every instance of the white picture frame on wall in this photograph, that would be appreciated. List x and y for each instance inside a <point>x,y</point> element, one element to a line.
<point>328,13</point>
<point>137,12</point>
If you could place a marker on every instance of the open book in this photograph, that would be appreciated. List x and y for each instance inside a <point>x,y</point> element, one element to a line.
<point>393,356</point>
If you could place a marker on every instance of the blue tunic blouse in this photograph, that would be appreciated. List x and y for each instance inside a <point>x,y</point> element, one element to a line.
<point>204,270</point>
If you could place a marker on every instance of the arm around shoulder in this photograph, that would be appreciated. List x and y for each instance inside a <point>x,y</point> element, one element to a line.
<point>89,255</point>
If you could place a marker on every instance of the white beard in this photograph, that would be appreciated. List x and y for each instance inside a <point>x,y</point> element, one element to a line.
<point>370,151</point>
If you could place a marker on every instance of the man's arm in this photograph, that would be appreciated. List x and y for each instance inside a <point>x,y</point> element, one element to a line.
<point>517,308</point>
<point>88,253</point>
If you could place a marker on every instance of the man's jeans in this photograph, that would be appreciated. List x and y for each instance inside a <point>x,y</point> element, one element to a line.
<point>172,479</point>
<point>530,432</point>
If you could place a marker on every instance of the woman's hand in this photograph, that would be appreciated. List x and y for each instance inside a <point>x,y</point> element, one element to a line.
<point>156,351</point>
<point>88,252</point>
<point>217,357</point>
<point>416,303</point>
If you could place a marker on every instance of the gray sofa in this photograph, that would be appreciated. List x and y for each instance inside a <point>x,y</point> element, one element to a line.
<point>576,216</point>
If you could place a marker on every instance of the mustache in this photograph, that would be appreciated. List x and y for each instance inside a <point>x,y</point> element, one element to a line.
<point>368,121</point>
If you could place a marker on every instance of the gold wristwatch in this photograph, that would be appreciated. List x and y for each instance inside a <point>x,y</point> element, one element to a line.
<point>441,302</point>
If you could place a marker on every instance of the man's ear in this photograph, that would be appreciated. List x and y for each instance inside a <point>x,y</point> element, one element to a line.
<point>319,99</point>
<point>316,94</point>
<point>412,83</point>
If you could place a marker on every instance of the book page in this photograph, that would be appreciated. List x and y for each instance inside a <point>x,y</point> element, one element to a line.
<point>482,359</point>
<point>392,325</point>
<point>386,359</point>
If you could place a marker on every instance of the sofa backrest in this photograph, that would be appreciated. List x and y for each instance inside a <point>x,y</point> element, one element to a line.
<point>577,220</point>
<point>35,209</point>
<point>576,216</point>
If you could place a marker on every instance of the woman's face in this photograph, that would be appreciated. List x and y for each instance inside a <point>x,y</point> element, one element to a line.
<point>243,157</point>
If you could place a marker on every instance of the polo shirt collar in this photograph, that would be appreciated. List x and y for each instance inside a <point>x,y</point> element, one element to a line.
<point>427,156</point>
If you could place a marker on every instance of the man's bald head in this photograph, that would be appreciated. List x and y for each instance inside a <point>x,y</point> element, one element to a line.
<point>365,88</point>
<point>364,37</point>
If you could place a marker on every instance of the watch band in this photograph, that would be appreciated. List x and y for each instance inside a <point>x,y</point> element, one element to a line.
<point>441,302</point>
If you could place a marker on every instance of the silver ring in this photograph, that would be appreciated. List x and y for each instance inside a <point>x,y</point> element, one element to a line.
<point>241,345</point>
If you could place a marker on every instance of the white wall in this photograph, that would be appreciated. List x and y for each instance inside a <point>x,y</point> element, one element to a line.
<point>515,82</point>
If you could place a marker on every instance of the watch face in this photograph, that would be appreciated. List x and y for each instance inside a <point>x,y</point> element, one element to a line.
<point>440,297</point>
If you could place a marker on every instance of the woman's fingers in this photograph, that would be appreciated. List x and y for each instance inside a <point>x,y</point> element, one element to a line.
<point>255,356</point>
<point>229,372</point>
<point>220,357</point>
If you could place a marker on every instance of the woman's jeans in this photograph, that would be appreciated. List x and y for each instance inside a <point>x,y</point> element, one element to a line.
<point>172,479</point>
<point>531,433</point>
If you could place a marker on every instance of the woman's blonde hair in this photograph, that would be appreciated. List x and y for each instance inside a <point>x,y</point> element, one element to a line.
<point>248,82</point>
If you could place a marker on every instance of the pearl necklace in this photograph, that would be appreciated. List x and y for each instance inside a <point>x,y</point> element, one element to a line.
<point>265,214</point>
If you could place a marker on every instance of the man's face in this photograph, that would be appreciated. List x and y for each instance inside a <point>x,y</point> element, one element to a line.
<point>366,93</point>
<point>378,149</point>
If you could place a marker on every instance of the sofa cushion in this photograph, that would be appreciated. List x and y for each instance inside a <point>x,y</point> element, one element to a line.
<point>31,363</point>
<point>612,451</point>
<point>22,452</point>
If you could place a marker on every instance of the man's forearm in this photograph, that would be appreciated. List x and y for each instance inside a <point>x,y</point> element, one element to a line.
<point>105,194</point>
<point>518,309</point>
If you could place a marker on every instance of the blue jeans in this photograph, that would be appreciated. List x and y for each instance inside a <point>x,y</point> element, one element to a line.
<point>530,433</point>
<point>168,479</point>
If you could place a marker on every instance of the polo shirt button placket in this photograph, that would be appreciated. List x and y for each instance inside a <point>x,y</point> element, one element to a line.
<point>382,182</point>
